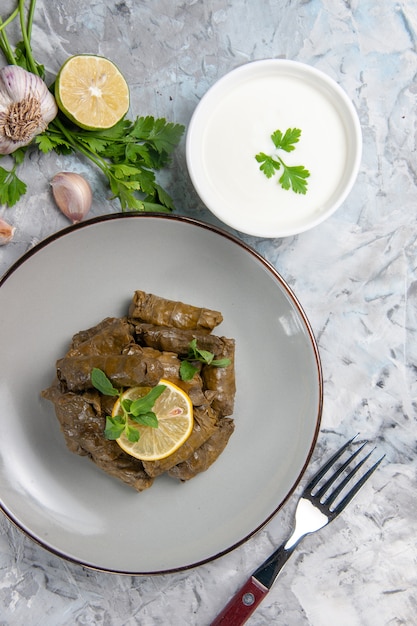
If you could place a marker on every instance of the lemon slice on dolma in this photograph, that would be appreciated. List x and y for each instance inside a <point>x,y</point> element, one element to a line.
<point>174,411</point>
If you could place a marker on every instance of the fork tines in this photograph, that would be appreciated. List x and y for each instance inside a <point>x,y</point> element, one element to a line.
<point>320,494</point>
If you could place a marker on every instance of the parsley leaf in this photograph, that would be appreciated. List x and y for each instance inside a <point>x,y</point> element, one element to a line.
<point>11,187</point>
<point>286,142</point>
<point>48,142</point>
<point>129,154</point>
<point>162,135</point>
<point>293,176</point>
<point>269,164</point>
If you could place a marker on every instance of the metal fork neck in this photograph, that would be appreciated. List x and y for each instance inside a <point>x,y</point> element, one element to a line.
<point>269,570</point>
<point>308,519</point>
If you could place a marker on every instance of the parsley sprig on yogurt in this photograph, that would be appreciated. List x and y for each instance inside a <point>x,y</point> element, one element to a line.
<point>293,176</point>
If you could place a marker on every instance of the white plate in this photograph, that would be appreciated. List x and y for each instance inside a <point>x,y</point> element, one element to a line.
<point>234,121</point>
<point>87,272</point>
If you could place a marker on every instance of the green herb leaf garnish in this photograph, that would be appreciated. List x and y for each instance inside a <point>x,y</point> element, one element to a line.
<point>145,404</point>
<point>187,370</point>
<point>187,367</point>
<point>102,383</point>
<point>293,176</point>
<point>287,140</point>
<point>146,419</point>
<point>139,410</point>
<point>269,165</point>
<point>114,427</point>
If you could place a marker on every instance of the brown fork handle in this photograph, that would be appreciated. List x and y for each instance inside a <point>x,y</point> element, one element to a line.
<point>242,605</point>
<point>245,601</point>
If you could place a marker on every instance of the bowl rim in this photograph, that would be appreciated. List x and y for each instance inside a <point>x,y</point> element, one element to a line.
<point>193,142</point>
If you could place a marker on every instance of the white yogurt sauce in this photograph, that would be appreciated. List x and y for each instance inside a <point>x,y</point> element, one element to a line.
<point>241,125</point>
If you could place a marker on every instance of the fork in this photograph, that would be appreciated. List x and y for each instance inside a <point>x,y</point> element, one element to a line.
<point>315,509</point>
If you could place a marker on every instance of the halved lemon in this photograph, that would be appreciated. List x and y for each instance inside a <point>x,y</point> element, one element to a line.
<point>174,411</point>
<point>91,91</point>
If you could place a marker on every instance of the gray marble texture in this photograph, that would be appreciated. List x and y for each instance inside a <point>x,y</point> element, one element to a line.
<point>355,276</point>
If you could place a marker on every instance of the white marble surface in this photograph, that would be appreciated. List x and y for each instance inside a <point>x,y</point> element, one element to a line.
<point>355,276</point>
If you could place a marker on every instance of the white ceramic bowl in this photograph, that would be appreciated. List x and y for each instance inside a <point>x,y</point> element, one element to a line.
<point>234,121</point>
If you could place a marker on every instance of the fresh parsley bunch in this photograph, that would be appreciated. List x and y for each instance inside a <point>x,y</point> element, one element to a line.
<point>128,154</point>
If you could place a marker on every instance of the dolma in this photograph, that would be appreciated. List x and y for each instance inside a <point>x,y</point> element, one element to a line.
<point>152,309</point>
<point>205,456</point>
<point>123,370</point>
<point>127,469</point>
<point>76,416</point>
<point>140,349</point>
<point>175,339</point>
<point>112,338</point>
<point>83,430</point>
<point>205,423</point>
<point>171,366</point>
<point>222,380</point>
<point>169,361</point>
<point>84,335</point>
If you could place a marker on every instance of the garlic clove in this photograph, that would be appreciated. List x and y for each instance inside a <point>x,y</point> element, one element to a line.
<point>6,232</point>
<point>72,194</point>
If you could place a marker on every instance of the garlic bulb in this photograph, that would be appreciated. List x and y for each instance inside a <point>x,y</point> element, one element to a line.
<point>26,107</point>
<point>6,232</point>
<point>72,194</point>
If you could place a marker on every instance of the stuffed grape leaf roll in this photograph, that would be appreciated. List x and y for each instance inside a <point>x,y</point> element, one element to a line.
<point>171,366</point>
<point>152,309</point>
<point>176,340</point>
<point>112,338</point>
<point>123,370</point>
<point>205,423</point>
<point>206,454</point>
<point>222,380</point>
<point>83,427</point>
<point>84,335</point>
